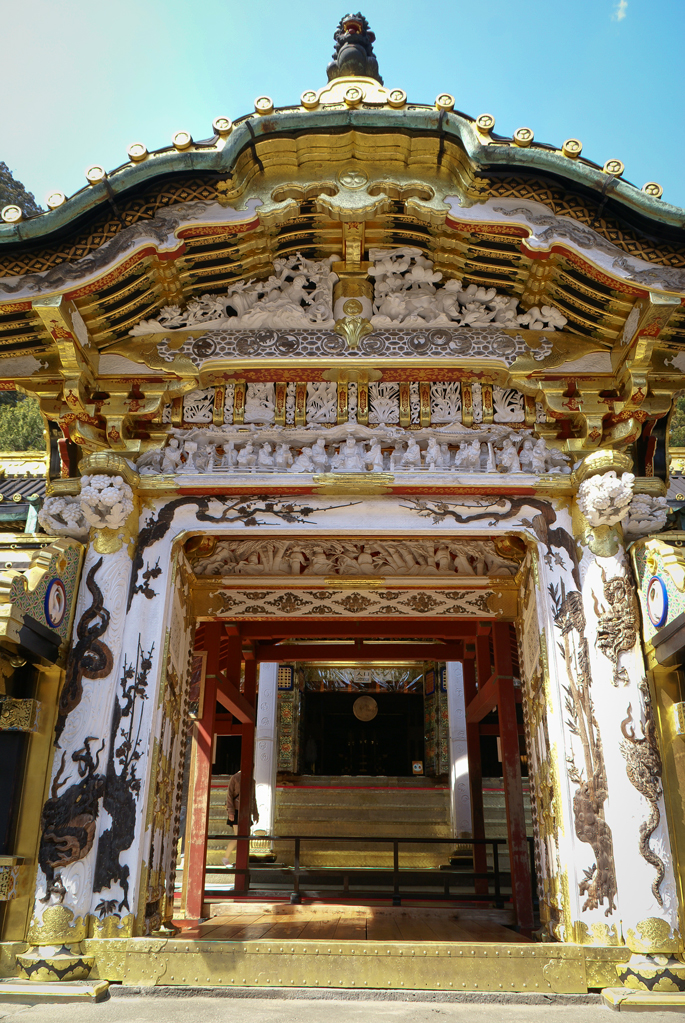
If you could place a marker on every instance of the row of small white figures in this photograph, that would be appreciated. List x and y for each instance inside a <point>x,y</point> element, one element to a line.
<point>516,454</point>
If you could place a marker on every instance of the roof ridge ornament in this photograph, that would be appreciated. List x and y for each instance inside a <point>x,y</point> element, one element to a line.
<point>353,53</point>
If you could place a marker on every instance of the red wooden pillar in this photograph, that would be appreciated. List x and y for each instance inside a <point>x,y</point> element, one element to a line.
<point>511,770</point>
<point>242,881</point>
<point>197,813</point>
<point>480,855</point>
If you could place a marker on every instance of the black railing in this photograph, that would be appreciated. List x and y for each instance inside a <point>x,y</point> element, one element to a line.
<point>490,890</point>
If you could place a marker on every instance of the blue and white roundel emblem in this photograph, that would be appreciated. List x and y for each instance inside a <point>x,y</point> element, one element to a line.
<point>55,603</point>
<point>657,601</point>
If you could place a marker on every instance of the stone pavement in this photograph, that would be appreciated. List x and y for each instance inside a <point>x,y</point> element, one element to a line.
<point>273,1008</point>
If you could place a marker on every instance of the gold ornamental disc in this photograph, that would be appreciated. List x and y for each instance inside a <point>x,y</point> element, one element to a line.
<point>365,708</point>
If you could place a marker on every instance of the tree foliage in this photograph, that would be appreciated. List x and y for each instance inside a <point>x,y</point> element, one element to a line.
<point>12,192</point>
<point>21,424</point>
<point>677,437</point>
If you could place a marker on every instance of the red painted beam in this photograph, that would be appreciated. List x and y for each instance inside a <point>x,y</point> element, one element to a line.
<point>406,628</point>
<point>232,699</point>
<point>483,702</point>
<point>242,881</point>
<point>283,653</point>
<point>511,771</point>
<point>198,800</point>
<point>480,856</point>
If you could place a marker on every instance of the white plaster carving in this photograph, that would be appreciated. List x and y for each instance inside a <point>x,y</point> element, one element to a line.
<point>350,558</point>
<point>106,501</point>
<point>351,447</point>
<point>352,401</point>
<point>321,402</point>
<point>299,293</point>
<point>646,514</point>
<point>446,402</point>
<point>605,500</point>
<point>260,403</point>
<point>63,516</point>
<point>229,403</point>
<point>477,401</point>
<point>508,405</point>
<point>198,406</point>
<point>290,395</point>
<point>409,291</point>
<point>414,403</point>
<point>384,403</point>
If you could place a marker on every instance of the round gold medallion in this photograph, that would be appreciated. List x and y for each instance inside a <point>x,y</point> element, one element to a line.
<point>352,307</point>
<point>365,708</point>
<point>353,178</point>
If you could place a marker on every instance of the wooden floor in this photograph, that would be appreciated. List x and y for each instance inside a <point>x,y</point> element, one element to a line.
<point>354,923</point>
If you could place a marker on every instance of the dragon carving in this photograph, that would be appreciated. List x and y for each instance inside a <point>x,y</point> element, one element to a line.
<point>90,657</point>
<point>617,625</point>
<point>68,820</point>
<point>643,767</point>
<point>599,883</point>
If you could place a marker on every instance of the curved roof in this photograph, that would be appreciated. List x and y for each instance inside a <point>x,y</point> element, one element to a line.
<point>194,216</point>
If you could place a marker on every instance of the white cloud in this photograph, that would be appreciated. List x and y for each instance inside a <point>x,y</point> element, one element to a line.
<point>620,10</point>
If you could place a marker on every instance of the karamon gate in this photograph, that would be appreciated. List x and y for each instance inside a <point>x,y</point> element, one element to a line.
<point>354,370</point>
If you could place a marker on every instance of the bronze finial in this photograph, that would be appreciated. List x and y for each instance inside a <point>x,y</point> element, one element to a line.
<point>353,53</point>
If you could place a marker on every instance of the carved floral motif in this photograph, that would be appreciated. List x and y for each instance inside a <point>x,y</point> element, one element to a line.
<point>605,500</point>
<point>63,516</point>
<point>106,501</point>
<point>646,515</point>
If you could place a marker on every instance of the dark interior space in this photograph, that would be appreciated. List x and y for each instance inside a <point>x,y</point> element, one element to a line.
<point>336,742</point>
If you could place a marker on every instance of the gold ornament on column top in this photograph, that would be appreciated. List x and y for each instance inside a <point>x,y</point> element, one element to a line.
<point>601,461</point>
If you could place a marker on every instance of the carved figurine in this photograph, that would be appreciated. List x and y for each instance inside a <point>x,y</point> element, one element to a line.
<point>303,462</point>
<point>411,459</point>
<point>320,456</point>
<point>172,456</point>
<point>283,458</point>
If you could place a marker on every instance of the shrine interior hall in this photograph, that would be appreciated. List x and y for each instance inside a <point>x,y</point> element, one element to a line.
<point>390,770</point>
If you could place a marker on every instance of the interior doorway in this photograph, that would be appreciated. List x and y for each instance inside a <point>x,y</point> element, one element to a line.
<point>371,735</point>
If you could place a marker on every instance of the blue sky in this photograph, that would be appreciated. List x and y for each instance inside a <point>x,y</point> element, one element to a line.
<point>80,81</point>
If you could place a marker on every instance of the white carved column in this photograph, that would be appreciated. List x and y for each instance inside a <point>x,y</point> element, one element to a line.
<point>73,816</point>
<point>595,766</point>
<point>266,752</point>
<point>460,798</point>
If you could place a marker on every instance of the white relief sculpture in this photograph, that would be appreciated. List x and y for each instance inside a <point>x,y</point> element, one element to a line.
<point>260,403</point>
<point>384,403</point>
<point>299,293</point>
<point>229,403</point>
<point>408,291</point>
<point>106,501</point>
<point>63,516</point>
<point>351,447</point>
<point>477,401</point>
<point>646,514</point>
<point>508,405</point>
<point>605,500</point>
<point>446,402</point>
<point>414,403</point>
<point>198,406</point>
<point>540,414</point>
<point>321,402</point>
<point>166,412</point>
<point>352,401</point>
<point>290,396</point>
<point>323,557</point>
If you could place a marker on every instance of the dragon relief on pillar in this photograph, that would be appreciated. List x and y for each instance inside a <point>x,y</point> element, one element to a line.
<point>121,782</point>
<point>69,818</point>
<point>599,883</point>
<point>90,657</point>
<point>616,622</point>
<point>643,767</point>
